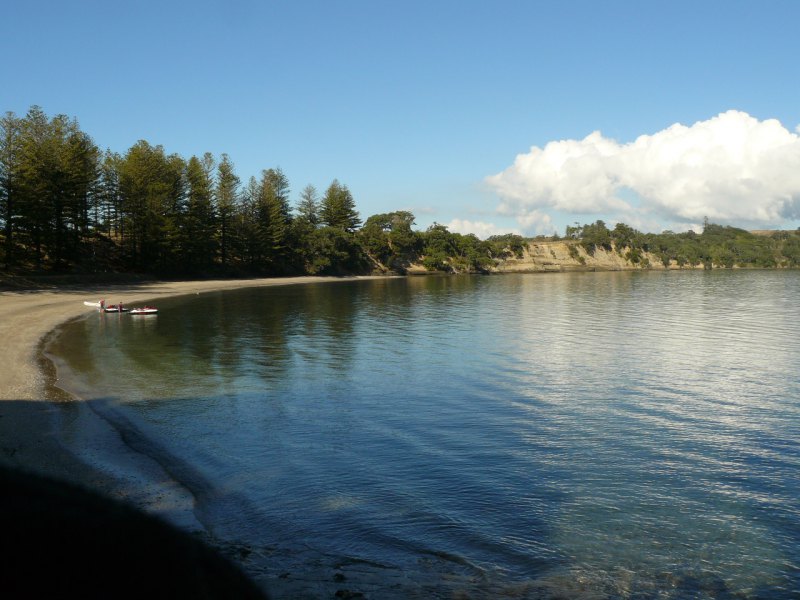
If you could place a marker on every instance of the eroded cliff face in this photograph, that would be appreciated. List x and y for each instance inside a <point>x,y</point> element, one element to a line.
<point>544,256</point>
<point>567,255</point>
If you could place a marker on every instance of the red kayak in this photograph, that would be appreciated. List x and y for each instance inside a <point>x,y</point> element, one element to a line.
<point>116,308</point>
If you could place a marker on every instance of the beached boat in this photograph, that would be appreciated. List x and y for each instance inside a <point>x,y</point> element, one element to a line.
<point>116,308</point>
<point>93,304</point>
<point>145,310</point>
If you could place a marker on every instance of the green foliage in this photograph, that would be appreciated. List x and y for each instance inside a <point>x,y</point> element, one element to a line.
<point>227,195</point>
<point>389,239</point>
<point>152,191</point>
<point>48,169</point>
<point>438,246</point>
<point>575,254</point>
<point>333,251</point>
<point>246,228</point>
<point>506,245</point>
<point>595,235</point>
<point>308,207</point>
<point>623,236</point>
<point>65,204</point>
<point>273,219</point>
<point>446,251</point>
<point>198,219</point>
<point>338,208</point>
<point>790,249</point>
<point>375,237</point>
<point>718,246</point>
<point>473,254</point>
<point>10,148</point>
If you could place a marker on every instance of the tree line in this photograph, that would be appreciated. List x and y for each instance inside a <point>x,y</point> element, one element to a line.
<point>65,205</point>
<point>716,246</point>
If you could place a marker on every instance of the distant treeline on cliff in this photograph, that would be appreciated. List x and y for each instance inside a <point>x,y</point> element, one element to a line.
<point>716,247</point>
<point>67,206</point>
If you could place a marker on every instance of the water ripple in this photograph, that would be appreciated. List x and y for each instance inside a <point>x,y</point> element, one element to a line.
<point>635,434</point>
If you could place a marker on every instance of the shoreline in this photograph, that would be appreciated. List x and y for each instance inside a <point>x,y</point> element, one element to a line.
<point>48,432</point>
<point>28,316</point>
<point>33,409</point>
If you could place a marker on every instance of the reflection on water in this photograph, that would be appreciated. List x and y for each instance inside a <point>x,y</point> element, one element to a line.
<point>633,434</point>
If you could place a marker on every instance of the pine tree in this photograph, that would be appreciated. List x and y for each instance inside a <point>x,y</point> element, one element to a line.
<point>226,196</point>
<point>108,205</point>
<point>199,220</point>
<point>308,207</point>
<point>55,175</point>
<point>338,208</point>
<point>274,218</point>
<point>36,169</point>
<point>152,190</point>
<point>9,182</point>
<point>81,166</point>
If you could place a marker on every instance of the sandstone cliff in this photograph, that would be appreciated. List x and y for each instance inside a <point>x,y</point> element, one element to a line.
<point>565,255</point>
<point>543,256</point>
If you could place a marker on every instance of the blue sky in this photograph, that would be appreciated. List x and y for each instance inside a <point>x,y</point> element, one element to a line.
<point>426,106</point>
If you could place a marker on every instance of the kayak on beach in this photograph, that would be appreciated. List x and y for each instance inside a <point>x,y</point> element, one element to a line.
<point>116,308</point>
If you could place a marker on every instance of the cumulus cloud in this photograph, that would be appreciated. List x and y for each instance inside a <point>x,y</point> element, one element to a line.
<point>730,168</point>
<point>479,228</point>
<point>536,221</point>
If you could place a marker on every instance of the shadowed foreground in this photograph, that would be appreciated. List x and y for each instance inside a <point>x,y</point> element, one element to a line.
<point>60,540</point>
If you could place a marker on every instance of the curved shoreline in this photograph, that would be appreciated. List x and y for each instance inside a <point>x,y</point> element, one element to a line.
<point>32,406</point>
<point>41,427</point>
<point>35,416</point>
<point>27,316</point>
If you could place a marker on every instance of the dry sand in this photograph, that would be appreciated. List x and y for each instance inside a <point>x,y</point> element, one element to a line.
<point>27,316</point>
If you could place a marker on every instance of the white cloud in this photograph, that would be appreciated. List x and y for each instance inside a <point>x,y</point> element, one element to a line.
<point>536,221</point>
<point>479,228</point>
<point>423,210</point>
<point>730,168</point>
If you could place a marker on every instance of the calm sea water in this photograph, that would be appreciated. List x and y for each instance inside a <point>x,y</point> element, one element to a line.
<point>631,435</point>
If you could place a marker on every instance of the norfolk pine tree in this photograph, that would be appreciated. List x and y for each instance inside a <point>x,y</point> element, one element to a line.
<point>9,184</point>
<point>274,218</point>
<point>308,207</point>
<point>338,208</point>
<point>199,220</point>
<point>226,196</point>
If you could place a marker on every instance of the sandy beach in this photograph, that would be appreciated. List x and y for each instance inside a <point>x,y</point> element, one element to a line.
<point>30,405</point>
<point>27,316</point>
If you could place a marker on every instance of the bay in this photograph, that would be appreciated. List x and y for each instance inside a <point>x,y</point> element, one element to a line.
<point>623,435</point>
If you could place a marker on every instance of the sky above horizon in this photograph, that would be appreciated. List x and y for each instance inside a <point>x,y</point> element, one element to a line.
<point>488,117</point>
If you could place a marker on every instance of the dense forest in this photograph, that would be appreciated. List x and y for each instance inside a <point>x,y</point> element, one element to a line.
<point>68,207</point>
